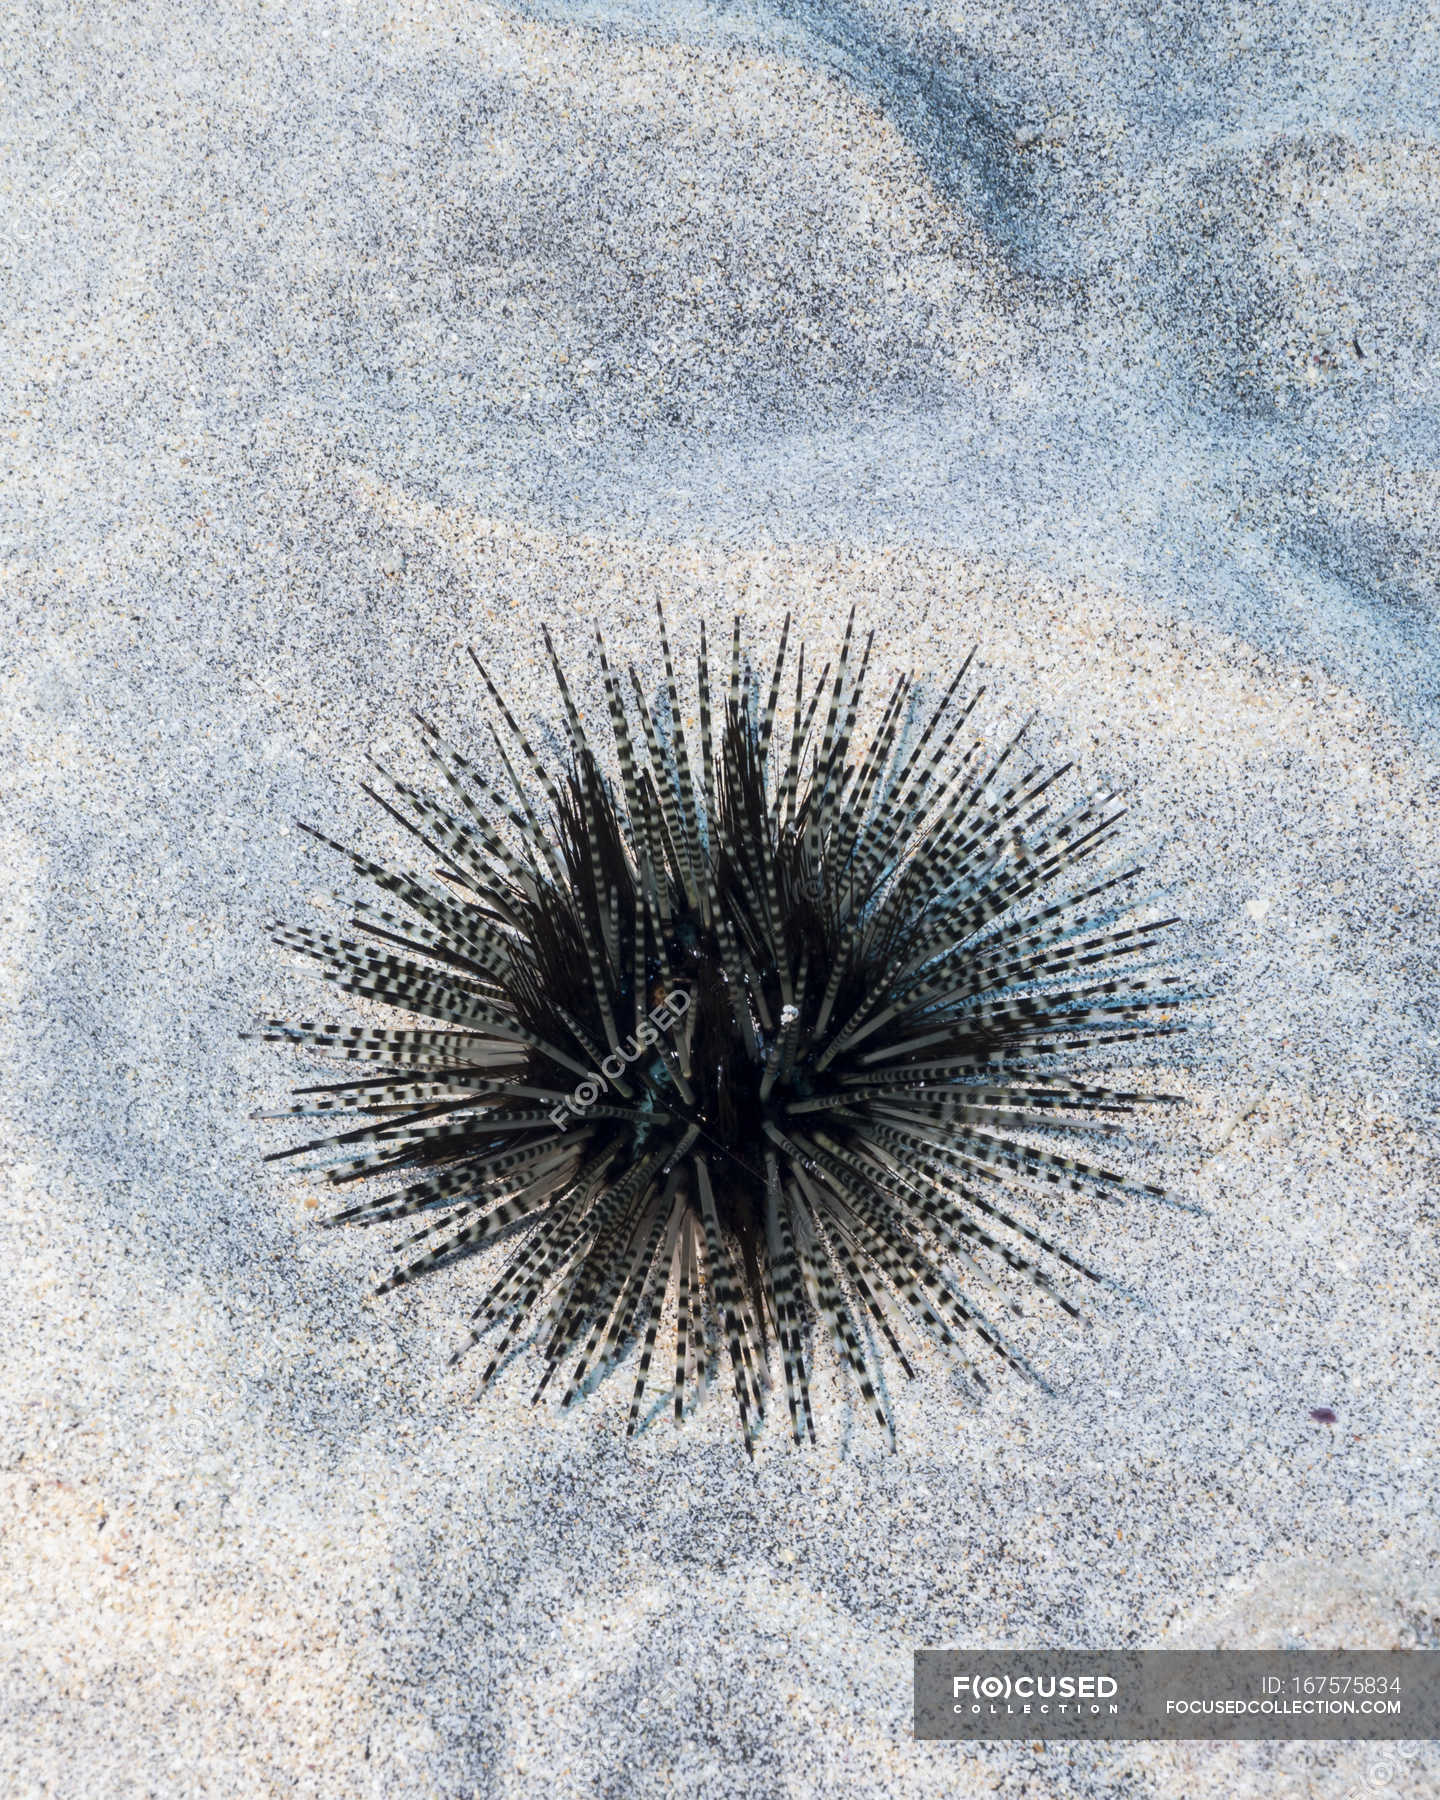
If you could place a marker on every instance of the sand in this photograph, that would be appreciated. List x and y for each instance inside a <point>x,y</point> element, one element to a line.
<point>338,338</point>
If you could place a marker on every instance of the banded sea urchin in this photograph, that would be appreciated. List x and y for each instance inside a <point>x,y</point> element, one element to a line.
<point>779,1035</point>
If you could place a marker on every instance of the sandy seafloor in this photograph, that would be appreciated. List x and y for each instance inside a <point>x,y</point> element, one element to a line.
<point>337,338</point>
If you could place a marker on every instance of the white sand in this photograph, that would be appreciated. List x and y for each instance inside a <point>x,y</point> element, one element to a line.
<point>340,337</point>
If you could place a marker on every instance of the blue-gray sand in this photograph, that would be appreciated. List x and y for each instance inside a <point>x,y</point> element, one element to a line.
<point>340,338</point>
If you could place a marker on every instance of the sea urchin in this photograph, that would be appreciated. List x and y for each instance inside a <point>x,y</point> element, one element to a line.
<point>777,1034</point>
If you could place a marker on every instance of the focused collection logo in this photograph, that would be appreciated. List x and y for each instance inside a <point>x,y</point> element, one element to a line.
<point>663,1017</point>
<point>1071,1695</point>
